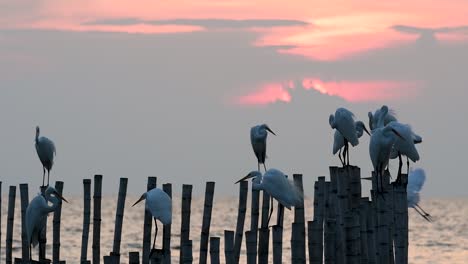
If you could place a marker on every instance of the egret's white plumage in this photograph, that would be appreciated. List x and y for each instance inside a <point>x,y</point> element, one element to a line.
<point>159,204</point>
<point>416,179</point>
<point>36,213</point>
<point>278,186</point>
<point>381,117</point>
<point>258,138</point>
<point>339,140</point>
<point>45,149</point>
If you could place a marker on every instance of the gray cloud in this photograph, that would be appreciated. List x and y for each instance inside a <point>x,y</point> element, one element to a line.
<point>206,23</point>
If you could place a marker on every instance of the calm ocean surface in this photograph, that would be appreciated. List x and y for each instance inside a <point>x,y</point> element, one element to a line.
<point>444,241</point>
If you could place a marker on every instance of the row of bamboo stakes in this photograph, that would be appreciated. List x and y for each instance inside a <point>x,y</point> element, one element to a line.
<point>346,227</point>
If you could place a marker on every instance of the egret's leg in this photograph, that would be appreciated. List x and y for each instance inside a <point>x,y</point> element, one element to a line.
<point>271,210</point>
<point>407,165</point>
<point>264,166</point>
<point>400,164</point>
<point>347,151</point>
<point>48,177</point>
<point>155,233</point>
<point>43,175</point>
<point>258,166</point>
<point>427,216</point>
<point>339,156</point>
<point>421,214</point>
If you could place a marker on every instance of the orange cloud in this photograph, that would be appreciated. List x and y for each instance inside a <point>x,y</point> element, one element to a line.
<point>352,91</point>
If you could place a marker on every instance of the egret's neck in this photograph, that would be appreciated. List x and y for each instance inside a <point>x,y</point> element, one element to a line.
<point>257,183</point>
<point>55,202</point>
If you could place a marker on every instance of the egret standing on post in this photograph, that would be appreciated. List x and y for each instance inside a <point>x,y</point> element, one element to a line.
<point>339,140</point>
<point>36,214</point>
<point>384,114</point>
<point>159,204</point>
<point>343,121</point>
<point>46,151</point>
<point>275,183</point>
<point>404,147</point>
<point>416,180</point>
<point>258,137</point>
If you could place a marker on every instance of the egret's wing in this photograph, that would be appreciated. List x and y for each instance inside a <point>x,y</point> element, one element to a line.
<point>416,180</point>
<point>405,147</point>
<point>34,219</point>
<point>345,123</point>
<point>46,151</point>
<point>338,141</point>
<point>413,199</point>
<point>258,144</point>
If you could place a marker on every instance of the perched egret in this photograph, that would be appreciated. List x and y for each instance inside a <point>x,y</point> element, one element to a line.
<point>384,114</point>
<point>159,204</point>
<point>404,147</point>
<point>380,146</point>
<point>339,140</point>
<point>278,186</point>
<point>46,151</point>
<point>343,121</point>
<point>416,180</point>
<point>36,214</point>
<point>258,137</point>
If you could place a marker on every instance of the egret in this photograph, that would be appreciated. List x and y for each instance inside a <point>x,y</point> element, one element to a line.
<point>36,214</point>
<point>384,113</point>
<point>278,186</point>
<point>159,204</point>
<point>405,147</point>
<point>416,180</point>
<point>380,146</point>
<point>46,151</point>
<point>339,140</point>
<point>343,121</point>
<point>258,137</point>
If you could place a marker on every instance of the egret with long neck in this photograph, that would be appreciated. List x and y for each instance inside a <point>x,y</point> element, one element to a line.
<point>45,149</point>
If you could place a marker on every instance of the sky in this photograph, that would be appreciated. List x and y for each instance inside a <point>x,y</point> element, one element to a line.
<point>171,88</point>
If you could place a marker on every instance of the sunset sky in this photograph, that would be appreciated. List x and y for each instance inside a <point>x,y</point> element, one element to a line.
<point>171,88</point>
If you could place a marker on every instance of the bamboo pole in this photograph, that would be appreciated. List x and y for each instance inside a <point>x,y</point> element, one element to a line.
<point>277,244</point>
<point>157,257</point>
<point>134,257</point>
<point>24,235</point>
<point>119,214</point>
<point>0,219</point>
<point>228,246</point>
<point>205,231</point>
<point>341,208</point>
<point>299,219</point>
<point>185,223</point>
<point>264,232</point>
<point>147,224</point>
<point>315,235</point>
<point>242,209</point>
<point>364,230</point>
<point>255,212</point>
<point>42,235</point>
<point>297,255</point>
<point>187,258</point>
<point>401,220</point>
<point>167,188</point>
<point>97,219</point>
<point>329,237</point>
<point>56,225</point>
<point>214,250</point>
<point>352,235</point>
<point>251,245</point>
<point>319,216</point>
<point>86,220</point>
<point>10,220</point>
<point>382,224</point>
<point>371,232</point>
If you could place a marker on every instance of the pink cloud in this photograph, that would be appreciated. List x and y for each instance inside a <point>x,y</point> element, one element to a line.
<point>352,91</point>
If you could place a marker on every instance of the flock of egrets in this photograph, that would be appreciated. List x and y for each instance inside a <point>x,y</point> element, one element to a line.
<point>389,139</point>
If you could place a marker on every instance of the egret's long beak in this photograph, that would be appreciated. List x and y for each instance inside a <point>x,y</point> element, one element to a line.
<point>365,129</point>
<point>61,197</point>
<point>245,178</point>
<point>366,178</point>
<point>269,130</point>
<point>139,200</point>
<point>398,134</point>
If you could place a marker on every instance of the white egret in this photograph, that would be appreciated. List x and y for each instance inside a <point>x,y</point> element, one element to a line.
<point>159,204</point>
<point>416,179</point>
<point>339,140</point>
<point>36,214</point>
<point>278,186</point>
<point>343,121</point>
<point>46,151</point>
<point>258,137</point>
<point>385,114</point>
<point>380,146</point>
<point>405,147</point>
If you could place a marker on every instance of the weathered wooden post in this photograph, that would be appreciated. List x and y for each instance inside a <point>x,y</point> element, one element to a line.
<point>364,230</point>
<point>119,214</point>
<point>187,258</point>
<point>134,257</point>
<point>167,188</point>
<point>255,210</point>
<point>56,226</point>
<point>147,223</point>
<point>157,257</point>
<point>352,235</point>
<point>86,220</point>
<point>277,244</point>
<point>42,235</point>
<point>185,223</point>
<point>242,209</point>
<point>10,219</point>
<point>251,244</point>
<point>383,232</point>
<point>97,219</point>
<point>24,235</point>
<point>264,232</point>
<point>205,231</point>
<point>298,254</point>
<point>315,228</point>
<point>214,250</point>
<point>401,219</point>
<point>228,246</point>
<point>329,237</point>
<point>371,231</point>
